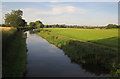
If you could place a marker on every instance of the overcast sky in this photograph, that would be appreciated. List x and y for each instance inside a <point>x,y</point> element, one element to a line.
<point>75,13</point>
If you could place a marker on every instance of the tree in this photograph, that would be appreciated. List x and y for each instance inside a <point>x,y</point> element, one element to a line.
<point>112,26</point>
<point>32,25</point>
<point>36,24</point>
<point>22,23</point>
<point>39,24</point>
<point>14,19</point>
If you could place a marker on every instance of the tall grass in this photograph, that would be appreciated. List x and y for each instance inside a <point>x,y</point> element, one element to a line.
<point>7,36</point>
<point>13,53</point>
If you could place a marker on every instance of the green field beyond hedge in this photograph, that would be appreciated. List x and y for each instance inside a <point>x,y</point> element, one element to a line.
<point>107,37</point>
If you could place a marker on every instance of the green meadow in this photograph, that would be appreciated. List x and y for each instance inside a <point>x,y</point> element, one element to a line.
<point>107,37</point>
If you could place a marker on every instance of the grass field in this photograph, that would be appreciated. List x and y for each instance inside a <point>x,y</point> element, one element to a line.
<point>107,37</point>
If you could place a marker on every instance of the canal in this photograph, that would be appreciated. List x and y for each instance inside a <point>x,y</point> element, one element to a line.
<point>47,60</point>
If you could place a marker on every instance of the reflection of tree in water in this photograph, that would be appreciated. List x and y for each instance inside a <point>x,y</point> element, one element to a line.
<point>94,59</point>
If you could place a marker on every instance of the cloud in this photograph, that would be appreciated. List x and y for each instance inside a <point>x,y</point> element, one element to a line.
<point>68,10</point>
<point>70,15</point>
<point>32,14</point>
<point>56,10</point>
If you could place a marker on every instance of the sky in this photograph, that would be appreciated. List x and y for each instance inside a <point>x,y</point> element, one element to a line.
<point>60,0</point>
<point>70,13</point>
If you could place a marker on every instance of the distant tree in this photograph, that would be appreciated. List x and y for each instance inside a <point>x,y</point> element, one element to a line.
<point>112,26</point>
<point>118,26</point>
<point>36,24</point>
<point>32,25</point>
<point>46,26</point>
<point>39,24</point>
<point>57,26</point>
<point>14,19</point>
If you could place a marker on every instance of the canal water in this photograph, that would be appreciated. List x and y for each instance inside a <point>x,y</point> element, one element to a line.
<point>46,60</point>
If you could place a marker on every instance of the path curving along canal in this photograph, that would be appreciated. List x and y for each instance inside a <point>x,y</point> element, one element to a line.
<point>46,60</point>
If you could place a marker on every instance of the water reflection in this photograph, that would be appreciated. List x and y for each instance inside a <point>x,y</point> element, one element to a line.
<point>46,60</point>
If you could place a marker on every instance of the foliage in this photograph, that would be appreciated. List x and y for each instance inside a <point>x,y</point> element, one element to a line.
<point>36,24</point>
<point>39,24</point>
<point>32,24</point>
<point>15,19</point>
<point>4,25</point>
<point>109,26</point>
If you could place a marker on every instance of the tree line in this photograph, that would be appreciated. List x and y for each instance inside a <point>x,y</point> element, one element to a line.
<point>109,26</point>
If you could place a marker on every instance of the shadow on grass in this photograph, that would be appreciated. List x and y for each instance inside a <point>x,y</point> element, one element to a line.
<point>112,42</point>
<point>94,59</point>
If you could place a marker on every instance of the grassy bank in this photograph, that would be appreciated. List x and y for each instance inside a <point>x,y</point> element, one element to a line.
<point>13,53</point>
<point>93,58</point>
